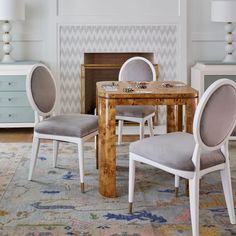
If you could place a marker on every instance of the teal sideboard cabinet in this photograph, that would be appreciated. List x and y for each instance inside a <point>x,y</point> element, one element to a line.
<point>203,74</point>
<point>15,110</point>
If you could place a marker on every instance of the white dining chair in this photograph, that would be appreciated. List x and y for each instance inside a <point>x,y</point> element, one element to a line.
<point>74,128</point>
<point>137,69</point>
<point>193,156</point>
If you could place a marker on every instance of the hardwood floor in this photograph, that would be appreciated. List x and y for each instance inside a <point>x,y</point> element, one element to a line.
<point>19,135</point>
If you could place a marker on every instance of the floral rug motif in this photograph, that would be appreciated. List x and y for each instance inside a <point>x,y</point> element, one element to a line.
<point>52,203</point>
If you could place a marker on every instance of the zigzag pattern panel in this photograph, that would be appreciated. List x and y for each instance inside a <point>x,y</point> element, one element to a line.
<point>75,40</point>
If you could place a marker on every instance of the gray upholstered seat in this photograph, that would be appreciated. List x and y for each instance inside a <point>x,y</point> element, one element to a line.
<point>134,111</point>
<point>74,125</point>
<point>175,150</point>
<point>193,156</point>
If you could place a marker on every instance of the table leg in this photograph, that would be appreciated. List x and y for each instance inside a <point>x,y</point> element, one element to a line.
<point>190,111</point>
<point>97,159</point>
<point>106,148</point>
<point>97,137</point>
<point>179,118</point>
<point>170,119</point>
<point>186,190</point>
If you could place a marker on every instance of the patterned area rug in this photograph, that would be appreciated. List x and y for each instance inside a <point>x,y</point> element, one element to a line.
<point>53,205</point>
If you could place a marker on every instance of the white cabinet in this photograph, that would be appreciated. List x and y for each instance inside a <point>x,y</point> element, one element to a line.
<point>15,110</point>
<point>203,74</point>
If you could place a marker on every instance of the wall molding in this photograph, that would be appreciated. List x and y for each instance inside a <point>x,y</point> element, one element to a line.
<point>88,8</point>
<point>208,37</point>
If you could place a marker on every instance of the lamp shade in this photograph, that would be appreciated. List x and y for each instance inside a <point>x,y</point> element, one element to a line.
<point>223,11</point>
<point>12,10</point>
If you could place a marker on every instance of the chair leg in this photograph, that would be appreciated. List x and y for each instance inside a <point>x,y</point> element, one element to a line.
<point>194,204</point>
<point>141,130</point>
<point>131,183</point>
<point>55,152</point>
<point>81,164</point>
<point>150,125</point>
<point>176,185</point>
<point>227,187</point>
<point>120,128</point>
<point>34,155</point>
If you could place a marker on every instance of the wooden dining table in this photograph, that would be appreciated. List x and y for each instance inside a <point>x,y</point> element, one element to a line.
<point>175,95</point>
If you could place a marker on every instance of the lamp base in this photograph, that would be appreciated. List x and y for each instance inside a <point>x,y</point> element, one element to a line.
<point>229,48</point>
<point>7,48</point>
<point>229,58</point>
<point>7,59</point>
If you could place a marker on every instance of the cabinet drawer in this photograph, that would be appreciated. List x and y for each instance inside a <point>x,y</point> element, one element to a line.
<point>12,82</point>
<point>16,114</point>
<point>15,99</point>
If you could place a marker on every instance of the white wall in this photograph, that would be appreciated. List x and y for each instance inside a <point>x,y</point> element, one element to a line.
<point>36,38</point>
<point>207,37</point>
<point>122,11</point>
<point>29,35</point>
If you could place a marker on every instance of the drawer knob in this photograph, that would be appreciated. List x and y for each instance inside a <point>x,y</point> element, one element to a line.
<point>10,115</point>
<point>10,83</point>
<point>9,99</point>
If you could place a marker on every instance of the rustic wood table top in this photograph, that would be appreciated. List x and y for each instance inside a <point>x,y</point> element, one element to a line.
<point>174,95</point>
<point>154,89</point>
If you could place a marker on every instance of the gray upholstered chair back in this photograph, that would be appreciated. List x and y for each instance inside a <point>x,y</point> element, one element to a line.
<point>41,90</point>
<point>218,113</point>
<point>137,69</point>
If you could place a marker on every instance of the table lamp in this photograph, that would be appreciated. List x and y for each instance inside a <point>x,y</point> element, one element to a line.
<point>225,11</point>
<point>10,10</point>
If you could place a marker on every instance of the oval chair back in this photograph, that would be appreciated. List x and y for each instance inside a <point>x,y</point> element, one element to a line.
<point>137,69</point>
<point>215,116</point>
<point>41,90</point>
